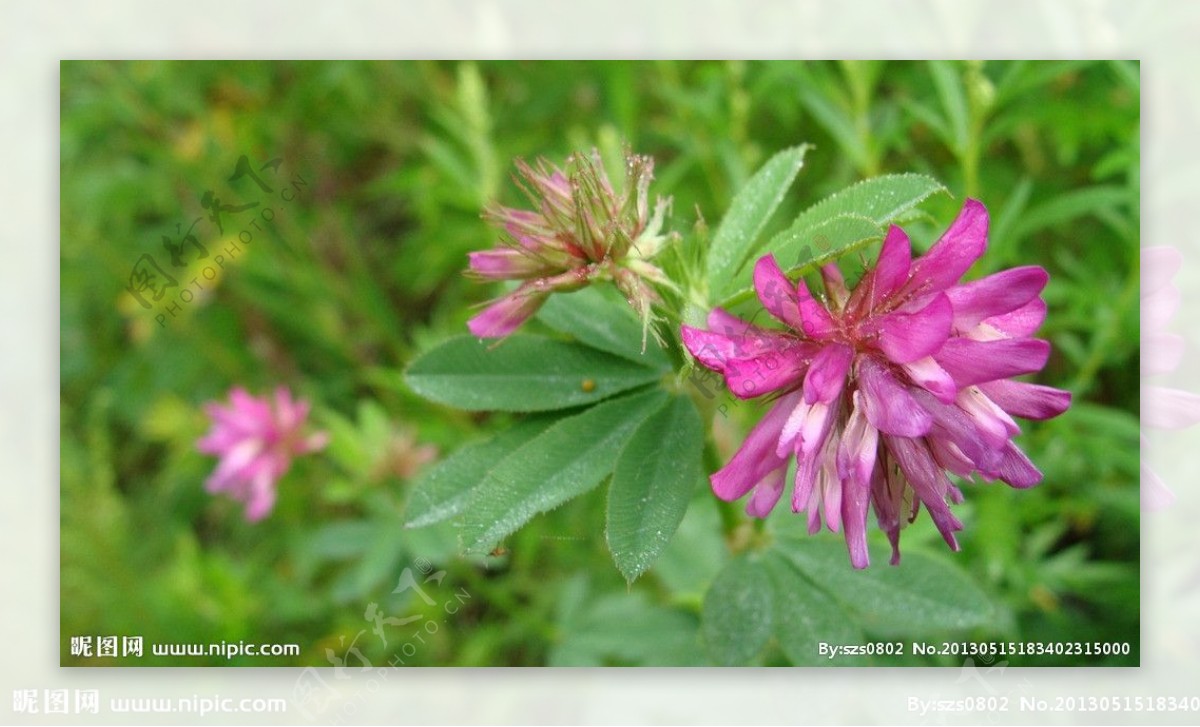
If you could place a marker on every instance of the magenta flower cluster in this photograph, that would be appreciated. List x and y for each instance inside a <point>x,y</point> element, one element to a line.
<point>256,440</point>
<point>880,391</point>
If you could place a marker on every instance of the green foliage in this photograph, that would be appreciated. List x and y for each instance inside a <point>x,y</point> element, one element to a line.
<point>922,595</point>
<point>597,317</point>
<point>805,617</point>
<point>739,613</point>
<point>524,373</point>
<point>445,490</point>
<point>655,476</point>
<point>749,213</point>
<point>802,593</point>
<point>843,222</point>
<point>563,462</point>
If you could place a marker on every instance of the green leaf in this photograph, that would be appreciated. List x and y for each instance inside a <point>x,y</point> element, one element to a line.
<point>813,247</point>
<point>805,617</point>
<point>598,317</point>
<point>445,489</point>
<point>655,476</point>
<point>627,629</point>
<point>921,596</point>
<point>568,459</point>
<point>521,373</point>
<point>879,199</point>
<point>696,553</point>
<point>749,212</point>
<point>847,220</point>
<point>738,615</point>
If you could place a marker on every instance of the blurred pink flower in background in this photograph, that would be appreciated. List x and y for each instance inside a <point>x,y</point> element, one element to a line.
<point>1162,352</point>
<point>881,390</point>
<point>256,439</point>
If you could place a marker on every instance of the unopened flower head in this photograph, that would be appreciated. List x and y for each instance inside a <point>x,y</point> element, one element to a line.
<point>580,231</point>
<point>879,391</point>
<point>256,439</point>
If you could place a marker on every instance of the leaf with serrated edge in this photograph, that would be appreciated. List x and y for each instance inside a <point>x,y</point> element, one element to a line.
<point>879,199</point>
<point>803,251</point>
<point>655,476</point>
<point>521,373</point>
<point>738,615</point>
<point>805,617</point>
<point>568,459</point>
<point>923,595</point>
<point>813,247</point>
<point>445,489</point>
<point>749,213</point>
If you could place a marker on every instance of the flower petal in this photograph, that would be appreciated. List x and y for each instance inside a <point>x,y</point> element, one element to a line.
<point>716,350</point>
<point>895,262</point>
<point>776,292</point>
<point>926,373</point>
<point>817,322</point>
<point>812,440</point>
<point>928,482</point>
<point>804,430</point>
<point>756,457</point>
<point>887,497</point>
<point>858,445</point>
<point>955,428</point>
<point>766,493</point>
<point>887,277</point>
<point>234,463</point>
<point>827,373</point>
<point>995,295</point>
<point>721,321</point>
<point>1159,305</point>
<point>1016,469</point>
<point>754,364</point>
<point>1155,493</point>
<point>1017,324</point>
<point>505,264</point>
<point>835,285</point>
<point>751,378</point>
<point>856,495</point>
<point>953,253</point>
<point>831,492</point>
<point>888,405</point>
<point>1030,401</point>
<point>989,418</point>
<point>260,498</point>
<point>907,337</point>
<point>975,362</point>
<point>507,314</point>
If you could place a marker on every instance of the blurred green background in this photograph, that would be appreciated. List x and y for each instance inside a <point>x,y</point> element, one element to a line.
<point>362,268</point>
